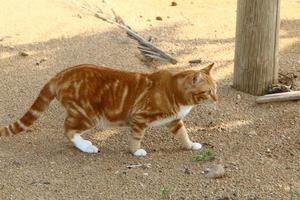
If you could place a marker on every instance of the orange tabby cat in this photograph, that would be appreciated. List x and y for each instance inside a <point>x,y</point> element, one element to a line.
<point>93,95</point>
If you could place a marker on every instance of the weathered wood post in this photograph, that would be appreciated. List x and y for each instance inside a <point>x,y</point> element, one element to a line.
<point>256,45</point>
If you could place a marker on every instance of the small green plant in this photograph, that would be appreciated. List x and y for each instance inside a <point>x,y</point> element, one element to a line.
<point>165,192</point>
<point>205,154</point>
<point>292,196</point>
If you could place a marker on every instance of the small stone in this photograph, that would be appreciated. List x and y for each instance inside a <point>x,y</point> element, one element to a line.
<point>196,61</point>
<point>158,18</point>
<point>287,188</point>
<point>11,47</point>
<point>268,150</point>
<point>23,53</point>
<point>173,3</point>
<point>16,163</point>
<point>46,182</point>
<point>252,133</point>
<point>238,97</point>
<point>145,174</point>
<point>43,60</point>
<point>186,170</point>
<point>216,171</point>
<point>233,163</point>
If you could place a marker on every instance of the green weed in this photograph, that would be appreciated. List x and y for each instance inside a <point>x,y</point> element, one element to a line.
<point>165,192</point>
<point>205,154</point>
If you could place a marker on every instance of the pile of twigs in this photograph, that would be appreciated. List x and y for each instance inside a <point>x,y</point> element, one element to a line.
<point>146,47</point>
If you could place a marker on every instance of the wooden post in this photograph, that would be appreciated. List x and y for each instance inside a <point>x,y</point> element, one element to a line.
<point>256,45</point>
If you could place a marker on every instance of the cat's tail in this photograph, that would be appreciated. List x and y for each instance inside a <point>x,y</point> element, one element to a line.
<point>41,103</point>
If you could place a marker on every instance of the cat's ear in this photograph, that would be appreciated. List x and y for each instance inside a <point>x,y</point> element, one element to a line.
<point>208,68</point>
<point>194,79</point>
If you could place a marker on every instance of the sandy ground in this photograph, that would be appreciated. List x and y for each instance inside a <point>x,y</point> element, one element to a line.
<point>259,145</point>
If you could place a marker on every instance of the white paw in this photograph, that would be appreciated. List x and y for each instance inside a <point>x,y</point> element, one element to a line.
<point>90,149</point>
<point>84,145</point>
<point>140,153</point>
<point>196,146</point>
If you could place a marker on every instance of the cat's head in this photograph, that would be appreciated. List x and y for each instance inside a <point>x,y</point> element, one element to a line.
<point>197,85</point>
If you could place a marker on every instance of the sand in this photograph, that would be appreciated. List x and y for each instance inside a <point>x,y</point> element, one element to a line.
<point>259,145</point>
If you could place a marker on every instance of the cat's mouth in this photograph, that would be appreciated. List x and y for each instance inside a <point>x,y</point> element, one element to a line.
<point>214,97</point>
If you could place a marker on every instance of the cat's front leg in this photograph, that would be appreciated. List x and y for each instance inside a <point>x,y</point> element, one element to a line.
<point>135,139</point>
<point>178,129</point>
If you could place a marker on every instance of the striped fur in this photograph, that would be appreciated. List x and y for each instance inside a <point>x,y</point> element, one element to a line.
<point>93,95</point>
<point>37,108</point>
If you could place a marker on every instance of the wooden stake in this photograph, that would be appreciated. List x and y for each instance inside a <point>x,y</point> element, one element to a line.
<point>256,45</point>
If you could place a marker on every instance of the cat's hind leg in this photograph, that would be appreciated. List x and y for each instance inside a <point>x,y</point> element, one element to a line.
<point>178,129</point>
<point>74,127</point>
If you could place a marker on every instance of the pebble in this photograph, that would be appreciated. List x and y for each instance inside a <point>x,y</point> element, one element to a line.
<point>196,61</point>
<point>158,18</point>
<point>23,53</point>
<point>187,170</point>
<point>252,133</point>
<point>43,59</point>
<point>11,47</point>
<point>216,171</point>
<point>173,3</point>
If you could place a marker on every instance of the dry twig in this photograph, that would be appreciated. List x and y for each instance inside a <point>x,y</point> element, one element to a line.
<point>133,166</point>
<point>146,47</point>
<point>287,79</point>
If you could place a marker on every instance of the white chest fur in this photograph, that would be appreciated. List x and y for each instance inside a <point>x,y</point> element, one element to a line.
<point>184,110</point>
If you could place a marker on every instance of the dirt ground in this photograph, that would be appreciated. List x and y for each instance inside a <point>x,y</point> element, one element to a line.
<point>259,145</point>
